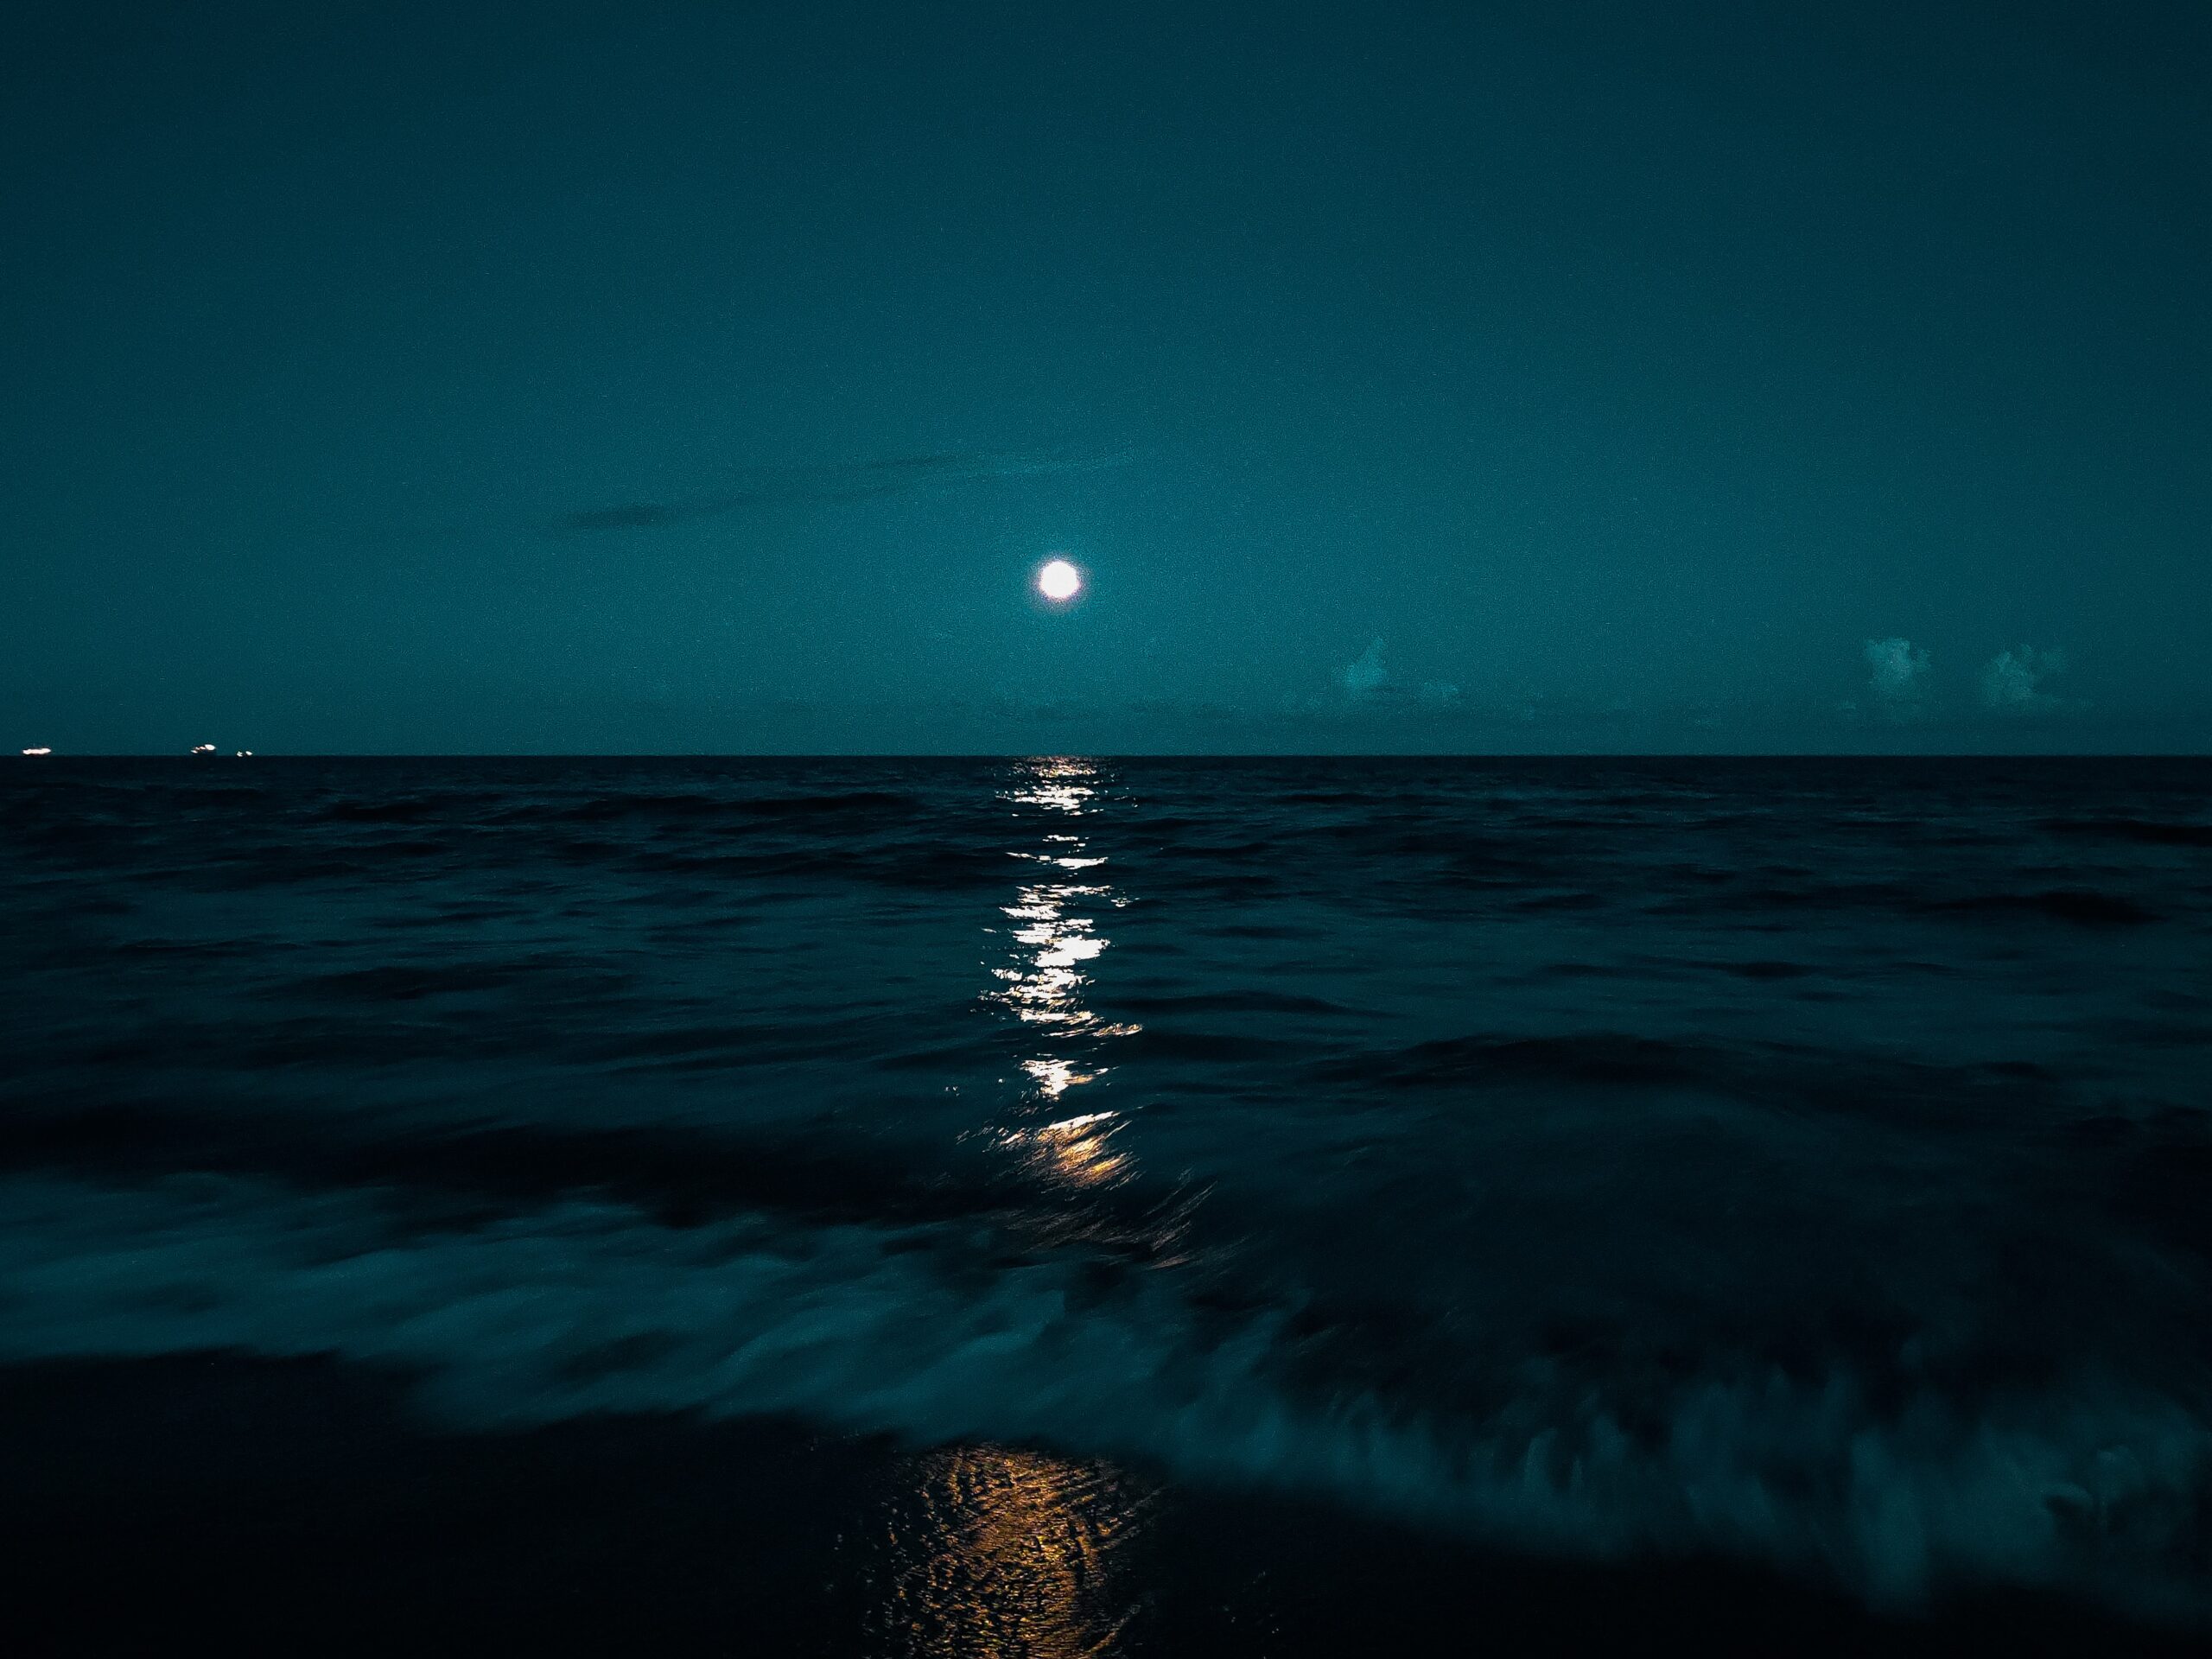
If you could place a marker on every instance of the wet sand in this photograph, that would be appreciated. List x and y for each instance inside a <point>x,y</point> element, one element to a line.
<point>303,1507</point>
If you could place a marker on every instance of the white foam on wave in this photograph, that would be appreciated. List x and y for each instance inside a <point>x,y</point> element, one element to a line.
<point>581,1308</point>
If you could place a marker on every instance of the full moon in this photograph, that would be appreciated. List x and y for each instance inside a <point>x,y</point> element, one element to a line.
<point>1059,580</point>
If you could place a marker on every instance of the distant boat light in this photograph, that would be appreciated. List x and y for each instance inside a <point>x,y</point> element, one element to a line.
<point>41,749</point>
<point>203,749</point>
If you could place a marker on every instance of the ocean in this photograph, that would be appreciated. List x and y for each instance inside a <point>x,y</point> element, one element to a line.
<point>1086,1206</point>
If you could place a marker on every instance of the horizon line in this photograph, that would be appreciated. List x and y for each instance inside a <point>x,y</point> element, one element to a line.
<point>1126,755</point>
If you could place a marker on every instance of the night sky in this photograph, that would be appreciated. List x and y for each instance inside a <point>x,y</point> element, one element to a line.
<point>1503,377</point>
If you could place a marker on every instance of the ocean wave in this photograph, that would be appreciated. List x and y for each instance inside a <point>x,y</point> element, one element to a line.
<point>2091,1483</point>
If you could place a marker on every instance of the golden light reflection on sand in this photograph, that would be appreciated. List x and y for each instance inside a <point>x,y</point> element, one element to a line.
<point>1000,1551</point>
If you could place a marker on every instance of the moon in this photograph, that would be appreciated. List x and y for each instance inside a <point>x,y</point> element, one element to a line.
<point>1059,580</point>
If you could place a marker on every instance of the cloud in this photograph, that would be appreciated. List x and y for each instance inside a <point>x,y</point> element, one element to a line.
<point>827,486</point>
<point>2012,684</point>
<point>1895,674</point>
<point>1364,675</point>
<point>1364,686</point>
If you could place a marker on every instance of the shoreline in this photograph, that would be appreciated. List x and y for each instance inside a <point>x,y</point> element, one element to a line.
<point>302,1504</point>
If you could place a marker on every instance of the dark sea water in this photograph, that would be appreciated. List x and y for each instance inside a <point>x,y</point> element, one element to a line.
<point>1799,1168</point>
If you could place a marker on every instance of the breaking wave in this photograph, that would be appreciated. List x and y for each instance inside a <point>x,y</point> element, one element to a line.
<point>929,1333</point>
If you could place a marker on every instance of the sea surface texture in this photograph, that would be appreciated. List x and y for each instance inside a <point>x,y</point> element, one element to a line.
<point>1806,1162</point>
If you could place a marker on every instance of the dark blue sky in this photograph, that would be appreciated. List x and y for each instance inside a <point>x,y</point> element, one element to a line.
<point>1485,377</point>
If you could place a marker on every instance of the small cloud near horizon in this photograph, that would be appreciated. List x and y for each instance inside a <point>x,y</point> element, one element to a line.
<point>1364,675</point>
<point>2012,682</point>
<point>1364,684</point>
<point>1897,673</point>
